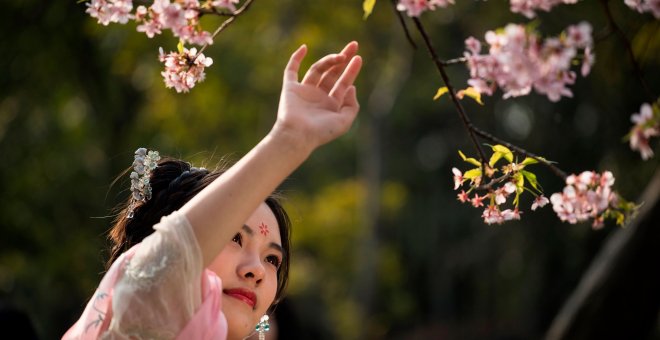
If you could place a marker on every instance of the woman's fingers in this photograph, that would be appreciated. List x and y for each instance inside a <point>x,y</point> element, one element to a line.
<point>329,79</point>
<point>350,104</point>
<point>316,71</point>
<point>292,67</point>
<point>346,79</point>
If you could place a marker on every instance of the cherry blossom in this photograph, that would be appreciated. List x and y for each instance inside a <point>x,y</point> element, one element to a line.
<point>509,214</point>
<point>458,178</point>
<point>183,70</point>
<point>519,61</point>
<point>513,181</point>
<point>647,125</point>
<point>503,192</point>
<point>585,196</point>
<point>107,11</point>
<point>463,196</point>
<point>492,215</point>
<point>416,7</point>
<point>527,7</point>
<point>642,6</point>
<point>150,26</point>
<point>478,201</point>
<point>539,202</point>
<point>228,4</point>
<point>180,16</point>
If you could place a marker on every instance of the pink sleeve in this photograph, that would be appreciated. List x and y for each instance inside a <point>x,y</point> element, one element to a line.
<point>155,291</point>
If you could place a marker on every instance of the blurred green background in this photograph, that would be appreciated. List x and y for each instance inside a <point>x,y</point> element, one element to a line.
<point>382,248</point>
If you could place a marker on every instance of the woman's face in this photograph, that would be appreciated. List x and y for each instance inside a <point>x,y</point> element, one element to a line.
<point>248,269</point>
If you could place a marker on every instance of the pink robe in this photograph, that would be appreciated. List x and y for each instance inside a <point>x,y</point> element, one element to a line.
<point>154,291</point>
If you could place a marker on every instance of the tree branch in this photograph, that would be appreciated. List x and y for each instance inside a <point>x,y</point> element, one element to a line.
<point>403,24</point>
<point>226,23</point>
<point>461,112</point>
<point>521,151</point>
<point>453,61</point>
<point>489,186</point>
<point>473,130</point>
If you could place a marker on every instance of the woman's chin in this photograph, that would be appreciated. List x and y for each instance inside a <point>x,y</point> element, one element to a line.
<point>238,334</point>
<point>239,320</point>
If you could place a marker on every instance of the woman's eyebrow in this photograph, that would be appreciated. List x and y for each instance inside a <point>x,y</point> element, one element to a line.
<point>276,246</point>
<point>248,230</point>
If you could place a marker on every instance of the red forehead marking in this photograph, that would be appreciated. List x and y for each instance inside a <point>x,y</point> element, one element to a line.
<point>263,229</point>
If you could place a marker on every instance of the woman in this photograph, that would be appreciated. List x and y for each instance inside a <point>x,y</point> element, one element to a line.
<point>218,258</point>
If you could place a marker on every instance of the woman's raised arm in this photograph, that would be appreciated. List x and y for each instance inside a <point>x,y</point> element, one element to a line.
<point>311,112</point>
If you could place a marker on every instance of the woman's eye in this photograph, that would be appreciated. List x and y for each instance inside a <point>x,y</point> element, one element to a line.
<point>238,239</point>
<point>274,260</point>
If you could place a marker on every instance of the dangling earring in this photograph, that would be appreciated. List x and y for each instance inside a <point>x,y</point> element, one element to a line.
<point>263,327</point>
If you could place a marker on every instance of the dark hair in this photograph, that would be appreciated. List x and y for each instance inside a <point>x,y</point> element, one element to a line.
<point>173,183</point>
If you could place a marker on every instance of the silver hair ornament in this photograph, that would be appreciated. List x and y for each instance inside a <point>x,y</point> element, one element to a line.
<point>145,162</point>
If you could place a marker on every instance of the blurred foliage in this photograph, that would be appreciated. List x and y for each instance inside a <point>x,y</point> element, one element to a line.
<point>77,98</point>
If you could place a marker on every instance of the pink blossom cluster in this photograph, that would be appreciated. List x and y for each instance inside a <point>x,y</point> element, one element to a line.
<point>183,70</point>
<point>585,196</point>
<point>107,11</point>
<point>179,16</point>
<point>528,7</point>
<point>518,61</point>
<point>642,6</point>
<point>414,8</point>
<point>494,213</point>
<point>182,17</point>
<point>647,125</point>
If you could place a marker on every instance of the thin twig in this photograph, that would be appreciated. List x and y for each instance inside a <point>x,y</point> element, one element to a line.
<point>455,61</point>
<point>213,10</point>
<point>521,151</point>
<point>631,54</point>
<point>452,94</point>
<point>226,23</point>
<point>473,130</point>
<point>403,24</point>
<point>489,186</point>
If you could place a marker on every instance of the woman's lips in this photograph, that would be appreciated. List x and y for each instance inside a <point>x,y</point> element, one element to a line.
<point>244,295</point>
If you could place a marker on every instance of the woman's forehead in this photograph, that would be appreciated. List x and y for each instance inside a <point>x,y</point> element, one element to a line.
<point>263,223</point>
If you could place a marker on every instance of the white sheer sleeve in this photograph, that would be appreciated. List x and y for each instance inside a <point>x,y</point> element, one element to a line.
<point>160,287</point>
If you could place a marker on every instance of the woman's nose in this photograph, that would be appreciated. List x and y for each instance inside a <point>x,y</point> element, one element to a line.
<point>251,268</point>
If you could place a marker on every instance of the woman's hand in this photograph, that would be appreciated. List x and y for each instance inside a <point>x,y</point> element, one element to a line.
<point>323,105</point>
<point>312,112</point>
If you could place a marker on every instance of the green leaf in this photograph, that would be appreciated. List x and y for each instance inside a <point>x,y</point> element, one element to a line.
<point>472,174</point>
<point>440,92</point>
<point>506,153</point>
<point>528,161</point>
<point>620,218</point>
<point>494,158</point>
<point>368,7</point>
<point>531,178</point>
<point>520,181</point>
<point>500,151</point>
<point>179,46</point>
<point>472,93</point>
<point>469,160</point>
